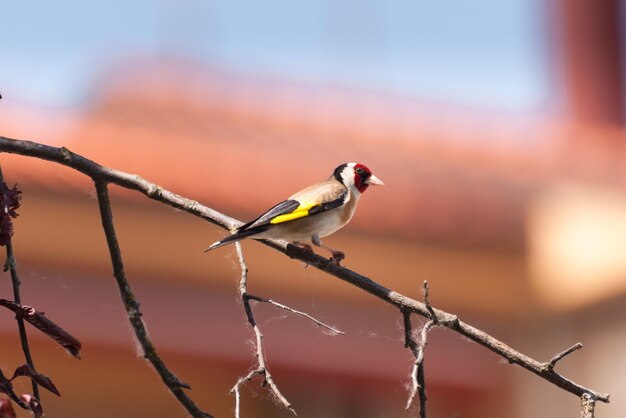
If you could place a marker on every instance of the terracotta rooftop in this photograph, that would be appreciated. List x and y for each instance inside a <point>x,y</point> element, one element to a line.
<point>240,144</point>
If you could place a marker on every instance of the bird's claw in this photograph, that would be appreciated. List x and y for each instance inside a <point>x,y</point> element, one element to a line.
<point>337,257</point>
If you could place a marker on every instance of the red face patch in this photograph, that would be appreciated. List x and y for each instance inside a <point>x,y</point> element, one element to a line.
<point>361,174</point>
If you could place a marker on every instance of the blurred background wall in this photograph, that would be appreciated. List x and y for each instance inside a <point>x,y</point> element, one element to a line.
<point>498,128</point>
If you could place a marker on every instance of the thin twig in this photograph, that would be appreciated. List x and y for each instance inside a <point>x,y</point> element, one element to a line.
<point>421,382</point>
<point>132,307</point>
<point>236,390</point>
<point>552,363</point>
<point>296,312</point>
<point>97,172</point>
<point>430,309</point>
<point>20,322</point>
<point>11,265</point>
<point>261,369</point>
<point>418,383</point>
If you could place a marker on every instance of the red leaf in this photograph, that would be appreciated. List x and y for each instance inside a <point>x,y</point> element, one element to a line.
<point>40,379</point>
<point>43,324</point>
<point>6,409</point>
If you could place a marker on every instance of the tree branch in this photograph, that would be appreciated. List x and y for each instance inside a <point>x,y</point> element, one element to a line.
<point>261,369</point>
<point>295,312</point>
<point>446,319</point>
<point>102,174</point>
<point>11,265</point>
<point>132,307</point>
<point>96,171</point>
<point>418,382</point>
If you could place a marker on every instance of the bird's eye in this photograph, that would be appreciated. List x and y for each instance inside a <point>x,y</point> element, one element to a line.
<point>359,170</point>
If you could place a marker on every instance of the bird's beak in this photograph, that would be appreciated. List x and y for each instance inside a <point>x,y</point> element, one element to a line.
<point>374,181</point>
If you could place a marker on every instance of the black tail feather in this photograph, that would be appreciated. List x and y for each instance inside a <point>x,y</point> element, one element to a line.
<point>237,236</point>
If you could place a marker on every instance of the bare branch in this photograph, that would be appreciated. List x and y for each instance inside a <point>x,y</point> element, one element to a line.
<point>11,266</point>
<point>552,363</point>
<point>96,171</point>
<point>261,369</point>
<point>20,321</point>
<point>296,312</point>
<point>236,390</point>
<point>446,319</point>
<point>132,307</point>
<point>102,174</point>
<point>427,302</point>
<point>418,383</point>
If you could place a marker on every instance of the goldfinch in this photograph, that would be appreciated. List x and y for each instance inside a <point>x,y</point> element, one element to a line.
<point>312,213</point>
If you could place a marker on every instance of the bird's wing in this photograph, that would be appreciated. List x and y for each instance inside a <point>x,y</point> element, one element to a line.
<point>284,207</point>
<point>310,201</point>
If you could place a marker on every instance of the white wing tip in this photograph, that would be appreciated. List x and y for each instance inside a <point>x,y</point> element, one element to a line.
<point>213,246</point>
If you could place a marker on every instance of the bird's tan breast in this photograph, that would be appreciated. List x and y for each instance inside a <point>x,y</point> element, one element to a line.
<point>347,210</point>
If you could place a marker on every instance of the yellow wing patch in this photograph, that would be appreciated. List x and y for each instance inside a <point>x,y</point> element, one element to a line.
<point>300,212</point>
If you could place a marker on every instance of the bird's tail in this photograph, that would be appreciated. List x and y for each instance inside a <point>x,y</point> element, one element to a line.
<point>237,236</point>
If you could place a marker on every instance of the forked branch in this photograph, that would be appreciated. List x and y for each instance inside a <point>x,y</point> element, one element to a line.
<point>296,312</point>
<point>418,382</point>
<point>261,369</point>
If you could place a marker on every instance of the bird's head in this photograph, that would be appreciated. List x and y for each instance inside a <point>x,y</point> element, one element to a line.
<point>356,176</point>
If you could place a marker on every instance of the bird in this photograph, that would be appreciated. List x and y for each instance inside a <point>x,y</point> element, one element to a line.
<point>312,213</point>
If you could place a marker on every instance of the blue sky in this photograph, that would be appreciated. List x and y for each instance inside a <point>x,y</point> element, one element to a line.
<point>485,53</point>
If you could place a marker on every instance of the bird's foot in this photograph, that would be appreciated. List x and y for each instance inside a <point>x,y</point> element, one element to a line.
<point>337,257</point>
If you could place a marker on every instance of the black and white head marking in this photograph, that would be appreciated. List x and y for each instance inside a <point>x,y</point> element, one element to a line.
<point>354,176</point>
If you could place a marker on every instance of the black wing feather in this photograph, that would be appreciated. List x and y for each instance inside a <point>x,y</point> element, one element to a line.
<point>288,206</point>
<point>282,208</point>
<point>328,205</point>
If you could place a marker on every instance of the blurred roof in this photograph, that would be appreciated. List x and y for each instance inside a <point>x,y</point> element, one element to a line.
<point>459,182</point>
<point>454,175</point>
